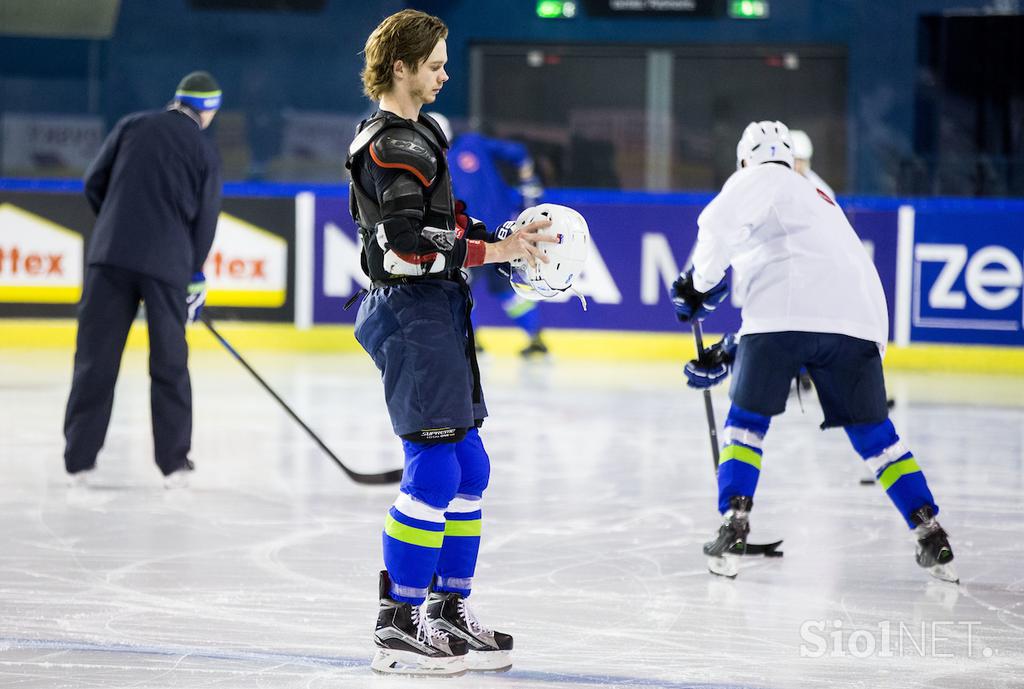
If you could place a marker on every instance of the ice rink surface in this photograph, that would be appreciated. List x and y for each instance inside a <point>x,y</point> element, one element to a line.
<point>263,572</point>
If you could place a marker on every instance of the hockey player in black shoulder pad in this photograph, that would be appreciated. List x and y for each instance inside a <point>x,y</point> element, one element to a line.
<point>402,200</point>
<point>414,323</point>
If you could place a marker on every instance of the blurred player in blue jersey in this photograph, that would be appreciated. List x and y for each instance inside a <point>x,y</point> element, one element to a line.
<point>479,167</point>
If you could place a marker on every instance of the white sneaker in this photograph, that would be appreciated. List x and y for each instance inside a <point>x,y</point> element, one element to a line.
<point>179,479</point>
<point>81,479</point>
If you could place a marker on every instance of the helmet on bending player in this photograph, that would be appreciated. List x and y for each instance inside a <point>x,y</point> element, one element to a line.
<point>764,142</point>
<point>803,150</point>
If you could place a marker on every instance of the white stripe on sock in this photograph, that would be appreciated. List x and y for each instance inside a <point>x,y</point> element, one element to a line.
<point>411,507</point>
<point>464,503</point>
<point>887,457</point>
<point>741,435</point>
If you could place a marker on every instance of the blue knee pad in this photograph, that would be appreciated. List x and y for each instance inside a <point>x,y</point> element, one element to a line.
<point>739,465</point>
<point>464,518</point>
<point>474,464</point>
<point>870,439</point>
<point>894,467</point>
<point>432,472</point>
<point>739,417</point>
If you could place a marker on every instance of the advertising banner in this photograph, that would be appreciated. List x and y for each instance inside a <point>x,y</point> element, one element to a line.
<point>41,253</point>
<point>335,270</point>
<point>967,277</point>
<point>248,268</point>
<point>40,260</point>
<point>635,255</point>
<point>877,229</point>
<point>43,235</point>
<point>638,249</point>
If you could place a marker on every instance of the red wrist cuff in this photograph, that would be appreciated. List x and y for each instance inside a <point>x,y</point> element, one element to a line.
<point>475,252</point>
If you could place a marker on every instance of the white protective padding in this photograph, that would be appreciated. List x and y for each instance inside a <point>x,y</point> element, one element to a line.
<point>566,258</point>
<point>764,142</point>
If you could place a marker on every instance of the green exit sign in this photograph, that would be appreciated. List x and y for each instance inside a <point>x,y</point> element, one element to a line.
<point>748,9</point>
<point>556,9</point>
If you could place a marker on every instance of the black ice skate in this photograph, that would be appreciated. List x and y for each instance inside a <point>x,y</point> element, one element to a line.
<point>408,644</point>
<point>731,543</point>
<point>488,650</point>
<point>535,348</point>
<point>933,550</point>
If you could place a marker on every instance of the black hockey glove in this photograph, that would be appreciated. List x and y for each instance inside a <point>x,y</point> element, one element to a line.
<point>713,365</point>
<point>693,305</point>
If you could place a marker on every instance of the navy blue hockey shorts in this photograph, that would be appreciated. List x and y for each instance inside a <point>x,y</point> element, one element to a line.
<point>417,334</point>
<point>847,374</point>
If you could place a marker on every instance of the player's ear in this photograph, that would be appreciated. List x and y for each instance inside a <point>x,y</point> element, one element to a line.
<point>398,69</point>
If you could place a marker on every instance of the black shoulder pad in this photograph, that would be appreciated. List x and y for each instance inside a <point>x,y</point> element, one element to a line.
<point>364,135</point>
<point>434,128</point>
<point>406,149</point>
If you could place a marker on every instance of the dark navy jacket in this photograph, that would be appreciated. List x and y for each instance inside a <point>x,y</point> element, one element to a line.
<point>155,188</point>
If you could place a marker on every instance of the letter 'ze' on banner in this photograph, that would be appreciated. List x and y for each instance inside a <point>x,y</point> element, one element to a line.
<point>967,286</point>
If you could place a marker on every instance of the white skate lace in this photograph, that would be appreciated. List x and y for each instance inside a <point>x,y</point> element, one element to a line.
<point>471,621</point>
<point>425,629</point>
<point>925,529</point>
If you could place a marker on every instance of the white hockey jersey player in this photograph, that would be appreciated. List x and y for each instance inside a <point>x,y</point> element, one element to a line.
<point>798,264</point>
<point>812,301</point>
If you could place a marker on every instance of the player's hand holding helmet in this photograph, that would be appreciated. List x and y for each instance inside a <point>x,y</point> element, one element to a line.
<point>561,262</point>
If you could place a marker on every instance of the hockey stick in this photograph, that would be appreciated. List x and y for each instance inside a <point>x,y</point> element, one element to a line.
<point>766,549</point>
<point>393,476</point>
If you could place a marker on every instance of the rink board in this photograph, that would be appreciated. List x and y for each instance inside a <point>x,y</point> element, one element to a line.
<point>951,269</point>
<point>594,345</point>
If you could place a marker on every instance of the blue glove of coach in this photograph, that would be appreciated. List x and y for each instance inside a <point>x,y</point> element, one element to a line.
<point>713,365</point>
<point>692,305</point>
<point>195,297</point>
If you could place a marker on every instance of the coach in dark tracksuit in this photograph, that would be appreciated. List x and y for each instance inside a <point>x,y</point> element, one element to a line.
<point>155,188</point>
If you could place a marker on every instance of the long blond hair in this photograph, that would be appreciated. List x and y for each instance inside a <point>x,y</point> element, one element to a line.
<point>409,36</point>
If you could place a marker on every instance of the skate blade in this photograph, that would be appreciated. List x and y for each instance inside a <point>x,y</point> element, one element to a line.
<point>724,565</point>
<point>391,662</point>
<point>944,573</point>
<point>490,661</point>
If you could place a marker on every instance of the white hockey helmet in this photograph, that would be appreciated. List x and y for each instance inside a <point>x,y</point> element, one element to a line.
<point>567,257</point>
<point>764,142</point>
<point>443,123</point>
<point>803,149</point>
